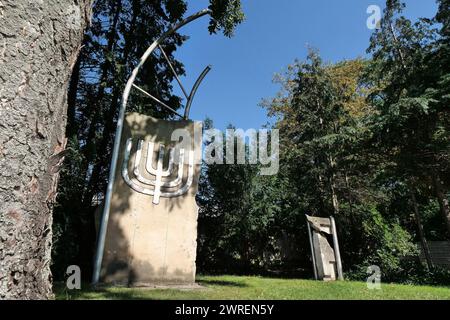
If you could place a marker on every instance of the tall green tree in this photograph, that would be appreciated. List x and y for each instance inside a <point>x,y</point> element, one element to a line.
<point>236,215</point>
<point>439,91</point>
<point>409,125</point>
<point>327,166</point>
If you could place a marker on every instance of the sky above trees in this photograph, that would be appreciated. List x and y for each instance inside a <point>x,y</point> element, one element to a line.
<point>274,34</point>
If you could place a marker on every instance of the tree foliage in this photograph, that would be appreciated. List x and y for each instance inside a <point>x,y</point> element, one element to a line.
<point>226,14</point>
<point>358,139</point>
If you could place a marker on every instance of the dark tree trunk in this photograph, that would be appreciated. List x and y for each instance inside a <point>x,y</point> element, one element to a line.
<point>40,42</point>
<point>443,201</point>
<point>106,68</point>
<point>87,216</point>
<point>423,240</point>
<point>95,186</point>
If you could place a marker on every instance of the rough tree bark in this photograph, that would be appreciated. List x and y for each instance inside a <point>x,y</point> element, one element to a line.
<point>39,44</point>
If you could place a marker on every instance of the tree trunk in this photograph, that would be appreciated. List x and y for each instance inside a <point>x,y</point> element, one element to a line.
<point>443,201</point>
<point>423,240</point>
<point>87,215</point>
<point>334,197</point>
<point>106,68</point>
<point>39,44</point>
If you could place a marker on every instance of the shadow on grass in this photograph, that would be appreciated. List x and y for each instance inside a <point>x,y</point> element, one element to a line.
<point>125,293</point>
<point>106,294</point>
<point>122,295</point>
<point>222,283</point>
<point>88,292</point>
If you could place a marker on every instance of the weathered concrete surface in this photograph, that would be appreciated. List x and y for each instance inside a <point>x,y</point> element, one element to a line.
<point>325,260</point>
<point>323,252</point>
<point>148,244</point>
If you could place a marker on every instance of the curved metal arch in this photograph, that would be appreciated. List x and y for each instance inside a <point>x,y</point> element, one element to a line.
<point>118,136</point>
<point>194,91</point>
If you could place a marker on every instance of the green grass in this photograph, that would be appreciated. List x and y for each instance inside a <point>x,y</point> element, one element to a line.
<point>257,288</point>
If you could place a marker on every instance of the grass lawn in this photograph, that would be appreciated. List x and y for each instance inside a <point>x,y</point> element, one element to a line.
<point>257,288</point>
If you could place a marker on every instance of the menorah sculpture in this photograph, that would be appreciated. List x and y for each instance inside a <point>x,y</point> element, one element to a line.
<point>148,226</point>
<point>159,173</point>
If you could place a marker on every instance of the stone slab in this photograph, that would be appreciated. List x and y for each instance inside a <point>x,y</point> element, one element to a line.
<point>148,244</point>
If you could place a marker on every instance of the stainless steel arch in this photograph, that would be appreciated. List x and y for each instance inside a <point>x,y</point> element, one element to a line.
<point>194,91</point>
<point>115,154</point>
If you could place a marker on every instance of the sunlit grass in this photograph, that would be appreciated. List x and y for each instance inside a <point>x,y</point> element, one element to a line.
<point>258,288</point>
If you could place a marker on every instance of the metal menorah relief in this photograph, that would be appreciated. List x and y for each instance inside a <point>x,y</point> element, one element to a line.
<point>166,181</point>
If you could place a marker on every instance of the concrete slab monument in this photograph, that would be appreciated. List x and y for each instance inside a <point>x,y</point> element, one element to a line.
<point>151,236</point>
<point>148,227</point>
<point>326,258</point>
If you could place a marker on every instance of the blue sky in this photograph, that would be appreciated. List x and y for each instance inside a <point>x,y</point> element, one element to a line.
<point>275,33</point>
